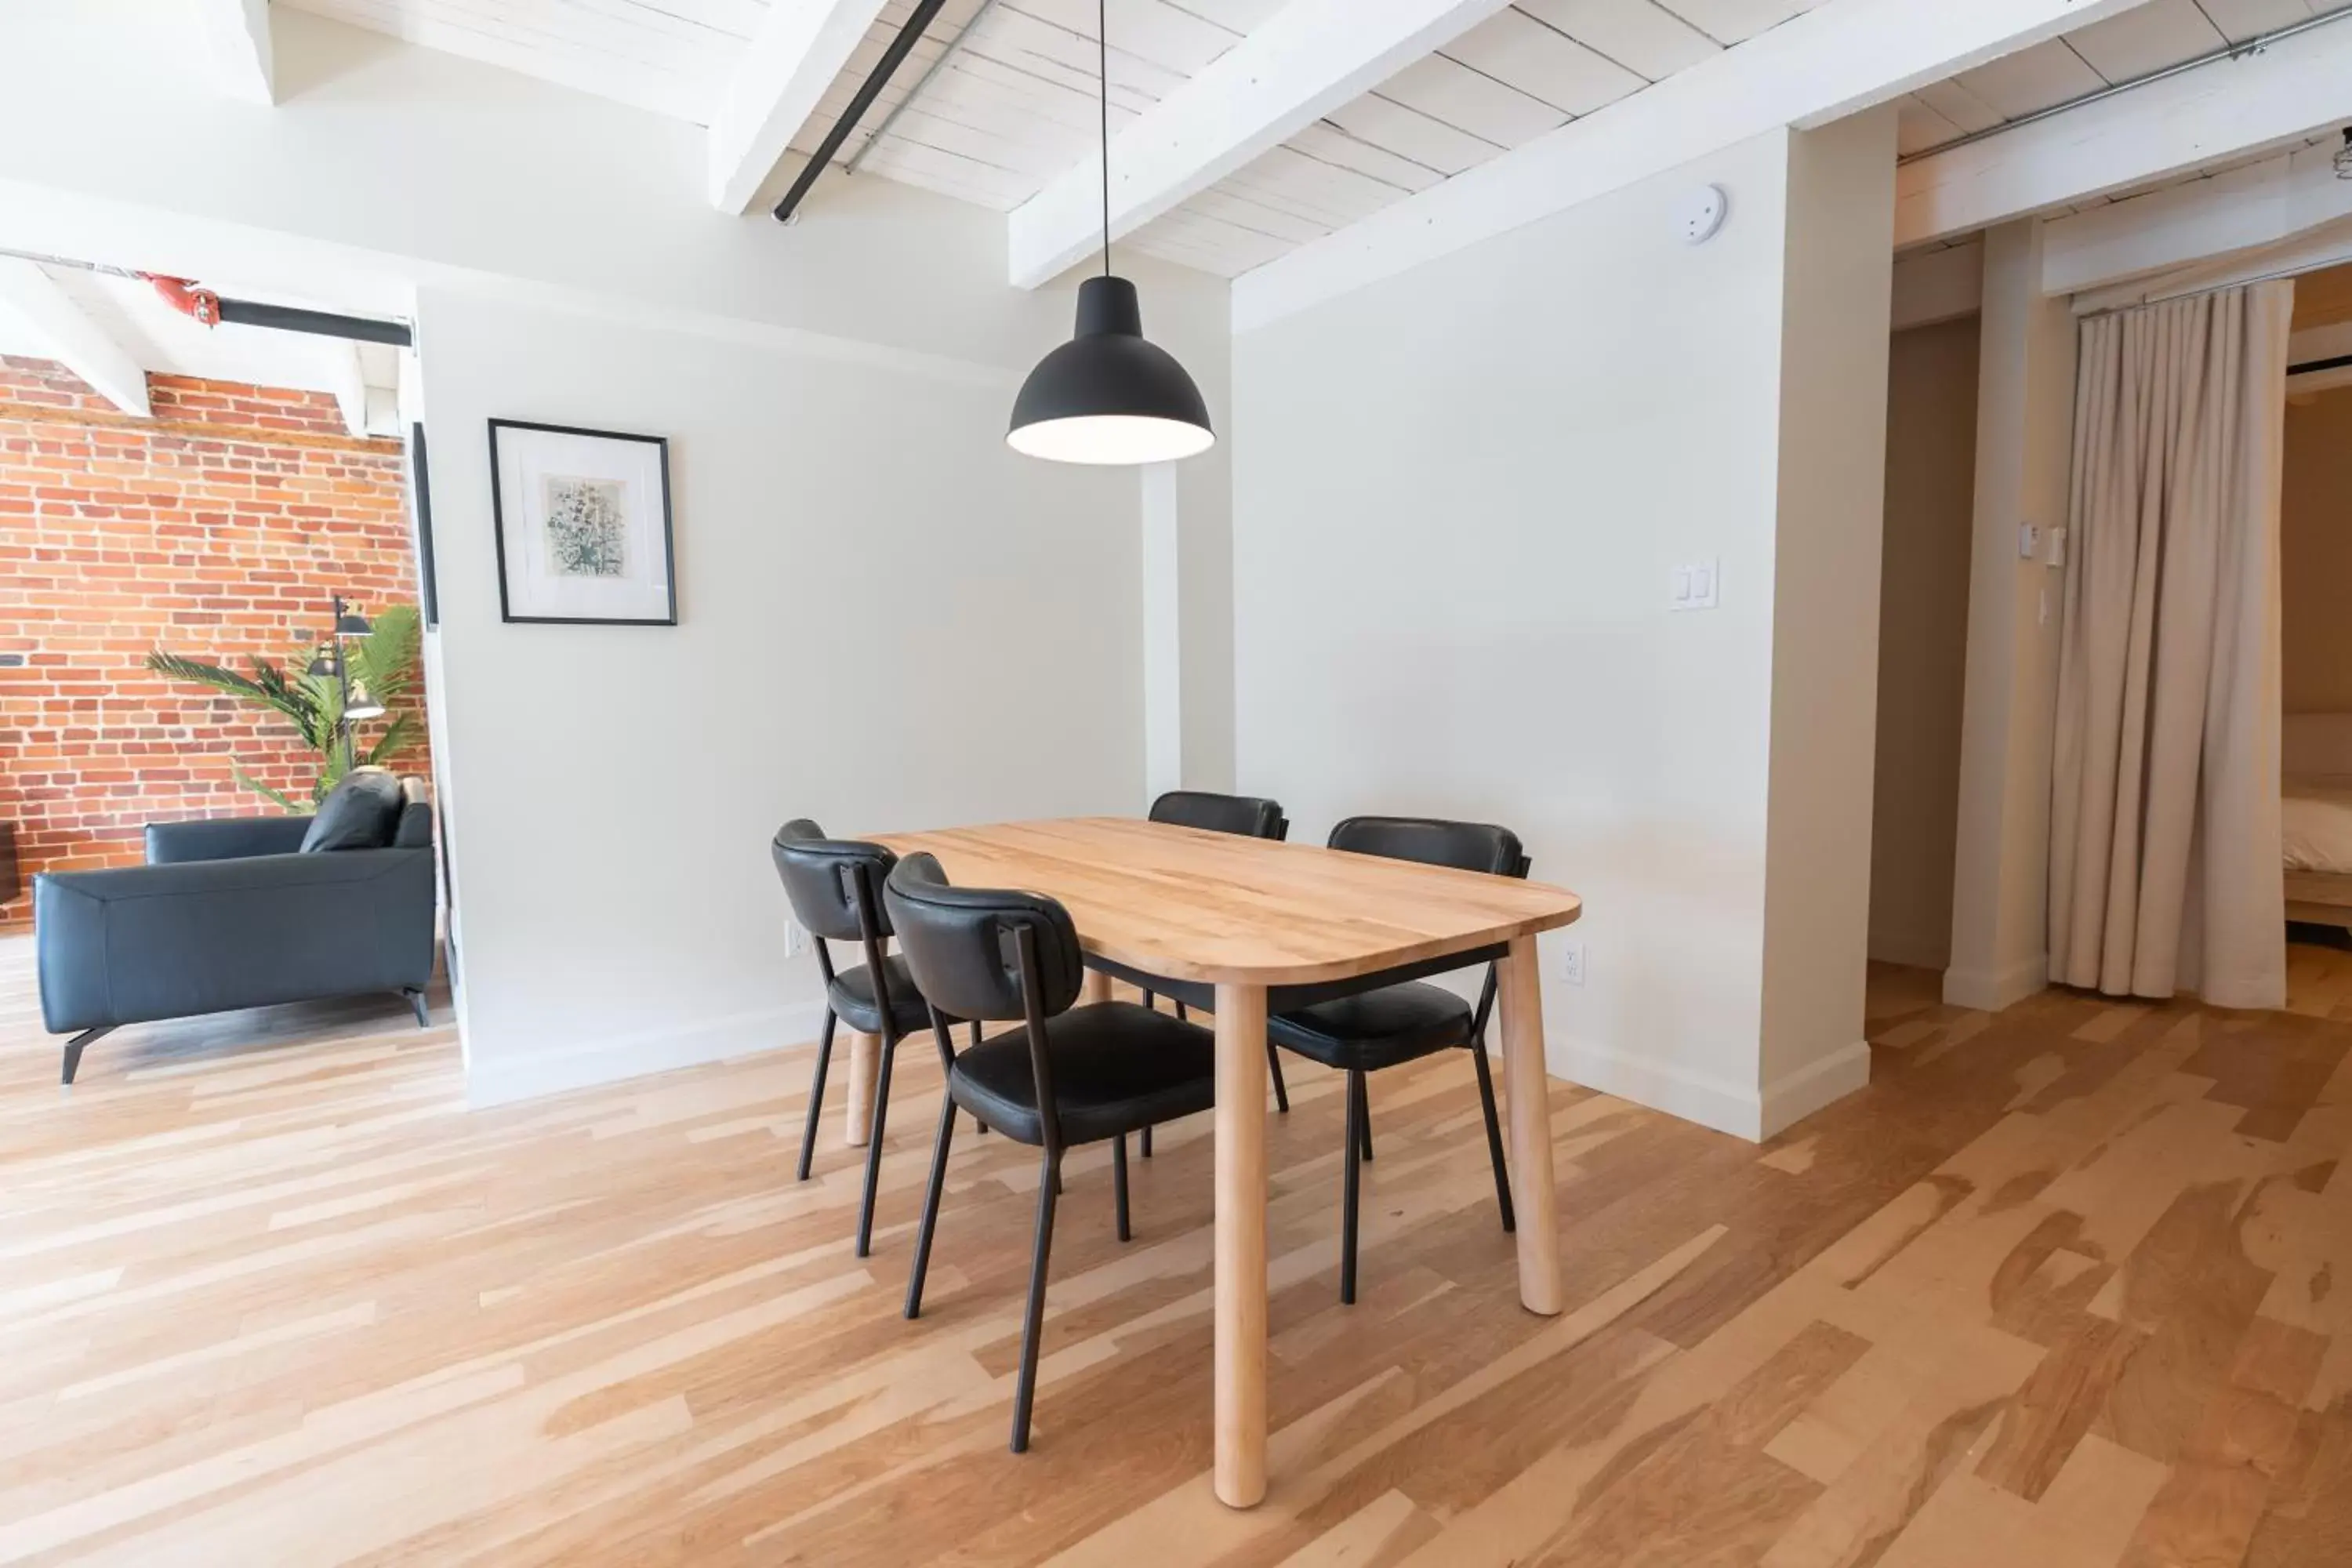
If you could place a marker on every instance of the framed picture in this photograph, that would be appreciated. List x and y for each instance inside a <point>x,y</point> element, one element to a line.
<point>582,524</point>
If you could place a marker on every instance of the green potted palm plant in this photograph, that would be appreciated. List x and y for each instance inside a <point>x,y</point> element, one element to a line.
<point>326,704</point>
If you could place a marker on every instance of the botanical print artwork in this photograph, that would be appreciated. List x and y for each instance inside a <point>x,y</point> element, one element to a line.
<point>587,530</point>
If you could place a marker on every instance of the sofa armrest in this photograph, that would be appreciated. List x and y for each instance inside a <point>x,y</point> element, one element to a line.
<point>140,942</point>
<point>224,838</point>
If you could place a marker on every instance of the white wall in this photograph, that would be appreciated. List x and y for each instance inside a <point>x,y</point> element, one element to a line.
<point>886,619</point>
<point>2025,434</point>
<point>1459,496</point>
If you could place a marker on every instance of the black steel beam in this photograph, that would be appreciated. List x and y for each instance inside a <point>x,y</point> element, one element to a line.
<point>320,323</point>
<point>869,90</point>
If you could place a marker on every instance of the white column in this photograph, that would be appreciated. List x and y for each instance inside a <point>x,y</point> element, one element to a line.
<point>1163,647</point>
<point>2025,438</point>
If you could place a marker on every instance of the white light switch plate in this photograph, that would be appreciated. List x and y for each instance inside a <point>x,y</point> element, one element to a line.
<point>1697,586</point>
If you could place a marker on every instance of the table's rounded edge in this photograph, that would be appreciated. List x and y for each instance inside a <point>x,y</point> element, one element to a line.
<point>1271,975</point>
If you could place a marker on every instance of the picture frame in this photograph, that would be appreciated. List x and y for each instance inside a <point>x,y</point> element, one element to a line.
<point>581,523</point>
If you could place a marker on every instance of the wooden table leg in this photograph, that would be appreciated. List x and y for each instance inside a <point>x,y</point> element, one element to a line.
<point>1241,1290</point>
<point>1095,988</point>
<point>864,1072</point>
<point>1526,1089</point>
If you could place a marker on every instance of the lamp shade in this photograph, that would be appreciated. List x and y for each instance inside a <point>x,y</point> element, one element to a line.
<point>1109,396</point>
<point>361,706</point>
<point>350,624</point>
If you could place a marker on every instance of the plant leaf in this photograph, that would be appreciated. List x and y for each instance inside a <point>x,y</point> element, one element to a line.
<point>397,736</point>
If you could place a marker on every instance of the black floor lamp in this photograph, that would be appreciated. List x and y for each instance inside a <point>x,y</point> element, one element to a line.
<point>357,701</point>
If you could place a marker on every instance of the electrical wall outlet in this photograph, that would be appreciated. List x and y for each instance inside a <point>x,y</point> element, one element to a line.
<point>1572,962</point>
<point>795,940</point>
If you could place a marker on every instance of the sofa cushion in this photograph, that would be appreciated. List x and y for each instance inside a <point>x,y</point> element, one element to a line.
<point>359,813</point>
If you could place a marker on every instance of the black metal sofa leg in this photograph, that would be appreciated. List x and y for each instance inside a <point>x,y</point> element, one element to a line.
<point>816,1093</point>
<point>1494,1137</point>
<point>74,1049</point>
<point>1024,1391</point>
<point>416,995</point>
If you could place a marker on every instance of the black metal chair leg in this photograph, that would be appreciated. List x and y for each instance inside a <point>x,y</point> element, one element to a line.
<point>1356,1086</point>
<point>75,1047</point>
<point>1281,1089</point>
<point>816,1093</point>
<point>1025,1388</point>
<point>1118,1184</point>
<point>874,1145</point>
<point>1180,1012</point>
<point>931,1207</point>
<point>1147,1142</point>
<point>1350,1180</point>
<point>1153,1003</point>
<point>1493,1136</point>
<point>976,1122</point>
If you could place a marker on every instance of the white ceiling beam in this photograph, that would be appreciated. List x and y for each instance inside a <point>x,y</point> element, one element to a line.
<point>2246,209</point>
<point>45,314</point>
<point>1834,60</point>
<point>802,44</point>
<point>2224,109</point>
<point>1941,285</point>
<point>237,35</point>
<point>2330,244</point>
<point>1307,60</point>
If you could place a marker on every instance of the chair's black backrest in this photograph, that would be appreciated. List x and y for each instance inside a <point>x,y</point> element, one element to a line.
<point>818,876</point>
<point>1432,841</point>
<point>962,944</point>
<point>1247,815</point>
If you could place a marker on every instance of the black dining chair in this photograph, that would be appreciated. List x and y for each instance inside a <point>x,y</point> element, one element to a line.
<point>1245,816</point>
<point>834,886</point>
<point>1362,1034</point>
<point>1068,1076</point>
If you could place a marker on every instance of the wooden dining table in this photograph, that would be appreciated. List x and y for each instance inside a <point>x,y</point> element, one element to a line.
<point>1249,925</point>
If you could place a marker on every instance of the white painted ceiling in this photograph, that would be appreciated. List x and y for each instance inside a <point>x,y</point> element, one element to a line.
<point>164,342</point>
<point>1015,105</point>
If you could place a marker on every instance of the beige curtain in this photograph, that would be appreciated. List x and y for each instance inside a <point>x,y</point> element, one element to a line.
<point>2164,855</point>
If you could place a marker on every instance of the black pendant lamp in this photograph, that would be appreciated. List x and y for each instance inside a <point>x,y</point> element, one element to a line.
<point>1109,396</point>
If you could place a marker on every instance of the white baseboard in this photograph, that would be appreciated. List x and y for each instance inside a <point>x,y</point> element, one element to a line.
<point>1990,990</point>
<point>503,1081</point>
<point>1743,1111</point>
<point>1789,1099</point>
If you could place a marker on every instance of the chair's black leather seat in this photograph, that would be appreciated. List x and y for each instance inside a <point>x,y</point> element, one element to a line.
<point>1375,1029</point>
<point>852,994</point>
<point>1116,1067</point>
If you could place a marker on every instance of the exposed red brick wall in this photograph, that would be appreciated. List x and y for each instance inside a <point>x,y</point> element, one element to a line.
<point>218,530</point>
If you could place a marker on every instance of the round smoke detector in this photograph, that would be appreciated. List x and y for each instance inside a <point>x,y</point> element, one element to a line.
<point>1700,216</point>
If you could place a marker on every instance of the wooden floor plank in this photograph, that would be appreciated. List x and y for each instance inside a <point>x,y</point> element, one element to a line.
<point>2071,1284</point>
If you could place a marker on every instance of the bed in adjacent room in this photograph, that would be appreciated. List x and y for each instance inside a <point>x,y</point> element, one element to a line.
<point>2316,817</point>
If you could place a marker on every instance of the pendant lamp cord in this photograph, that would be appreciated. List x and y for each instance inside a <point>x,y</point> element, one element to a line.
<point>1102,62</point>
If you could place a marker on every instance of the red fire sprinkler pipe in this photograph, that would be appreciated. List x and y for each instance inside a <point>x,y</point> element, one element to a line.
<point>202,304</point>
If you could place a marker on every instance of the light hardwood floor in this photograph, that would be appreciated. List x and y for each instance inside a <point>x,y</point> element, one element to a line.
<point>2061,1288</point>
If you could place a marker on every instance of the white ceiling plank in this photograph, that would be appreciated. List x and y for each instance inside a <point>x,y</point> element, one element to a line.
<point>2248,208</point>
<point>1834,60</point>
<point>2159,35</point>
<point>1543,62</point>
<point>1959,105</point>
<point>2031,80</point>
<point>2221,111</point>
<point>2242,19</point>
<point>237,35</point>
<point>42,312</point>
<point>1330,144</point>
<point>1446,90</point>
<point>1735,21</point>
<point>1640,34</point>
<point>799,52</point>
<point>1408,133</point>
<point>1922,128</point>
<point>1174,39</point>
<point>1310,58</point>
